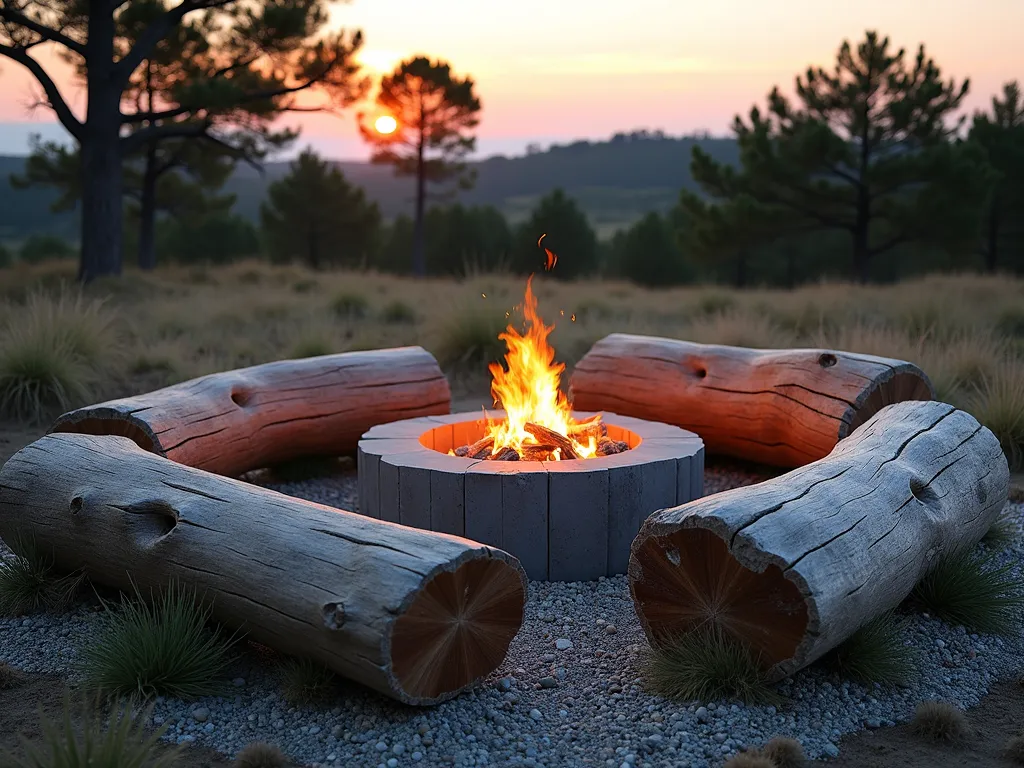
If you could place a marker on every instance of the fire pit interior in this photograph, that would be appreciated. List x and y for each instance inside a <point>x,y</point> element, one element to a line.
<point>564,492</point>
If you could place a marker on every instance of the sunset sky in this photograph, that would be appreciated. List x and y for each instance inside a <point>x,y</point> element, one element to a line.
<point>556,70</point>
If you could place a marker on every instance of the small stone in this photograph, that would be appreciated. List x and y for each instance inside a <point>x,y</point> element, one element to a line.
<point>536,714</point>
<point>563,644</point>
<point>417,756</point>
<point>547,658</point>
<point>337,731</point>
<point>238,682</point>
<point>548,682</point>
<point>382,746</point>
<point>830,749</point>
<point>702,714</point>
<point>393,762</point>
<point>398,749</point>
<point>201,715</point>
<point>505,684</point>
<point>610,629</point>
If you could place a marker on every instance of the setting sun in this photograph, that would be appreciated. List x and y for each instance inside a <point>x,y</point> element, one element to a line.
<point>385,124</point>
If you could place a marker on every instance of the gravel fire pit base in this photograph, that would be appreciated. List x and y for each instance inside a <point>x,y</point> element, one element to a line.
<point>564,520</point>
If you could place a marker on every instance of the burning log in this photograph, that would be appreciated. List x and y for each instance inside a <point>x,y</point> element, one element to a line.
<point>606,447</point>
<point>549,436</point>
<point>250,418</point>
<point>795,565</point>
<point>416,615</point>
<point>784,408</point>
<point>481,449</point>
<point>592,427</point>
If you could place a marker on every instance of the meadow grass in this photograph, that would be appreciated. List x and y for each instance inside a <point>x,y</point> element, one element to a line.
<point>59,347</point>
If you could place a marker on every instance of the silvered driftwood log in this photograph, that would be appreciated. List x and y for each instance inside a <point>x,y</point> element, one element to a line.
<point>414,614</point>
<point>250,418</point>
<point>795,565</point>
<point>785,408</point>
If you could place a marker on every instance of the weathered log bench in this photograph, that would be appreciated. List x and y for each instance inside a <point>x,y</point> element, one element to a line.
<point>793,566</point>
<point>779,407</point>
<point>414,614</point>
<point>251,418</point>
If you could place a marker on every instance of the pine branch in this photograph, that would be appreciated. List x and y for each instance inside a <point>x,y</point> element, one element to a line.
<point>47,33</point>
<point>56,101</point>
<point>181,130</point>
<point>157,31</point>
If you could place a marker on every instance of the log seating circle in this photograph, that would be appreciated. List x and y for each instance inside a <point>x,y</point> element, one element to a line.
<point>136,489</point>
<point>564,520</point>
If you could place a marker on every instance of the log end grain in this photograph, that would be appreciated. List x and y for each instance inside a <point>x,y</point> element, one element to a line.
<point>458,628</point>
<point>688,579</point>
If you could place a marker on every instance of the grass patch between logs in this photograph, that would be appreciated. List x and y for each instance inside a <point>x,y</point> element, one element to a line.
<point>163,646</point>
<point>706,665</point>
<point>969,589</point>
<point>29,583</point>
<point>876,653</point>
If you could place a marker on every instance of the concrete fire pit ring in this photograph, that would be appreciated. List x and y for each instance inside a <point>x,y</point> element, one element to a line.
<point>563,520</point>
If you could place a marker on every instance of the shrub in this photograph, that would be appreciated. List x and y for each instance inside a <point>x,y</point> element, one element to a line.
<point>28,583</point>
<point>9,677</point>
<point>876,653</point>
<point>41,247</point>
<point>160,647</point>
<point>113,739</point>
<point>998,403</point>
<point>967,588</point>
<point>398,312</point>
<point>350,306</point>
<point>704,665</point>
<point>260,755</point>
<point>468,336</point>
<point>939,721</point>
<point>304,681</point>
<point>785,752</point>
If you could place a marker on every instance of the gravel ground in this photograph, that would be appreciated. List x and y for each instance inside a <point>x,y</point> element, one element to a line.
<point>568,694</point>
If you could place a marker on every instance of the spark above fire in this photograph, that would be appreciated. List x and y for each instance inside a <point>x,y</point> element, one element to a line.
<point>538,423</point>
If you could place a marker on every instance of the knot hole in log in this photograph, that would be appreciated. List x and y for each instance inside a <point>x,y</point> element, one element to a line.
<point>77,503</point>
<point>827,360</point>
<point>240,396</point>
<point>334,615</point>
<point>922,491</point>
<point>700,371</point>
<point>150,521</point>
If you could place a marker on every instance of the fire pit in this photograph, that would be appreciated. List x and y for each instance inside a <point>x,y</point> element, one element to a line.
<point>564,492</point>
<point>568,520</point>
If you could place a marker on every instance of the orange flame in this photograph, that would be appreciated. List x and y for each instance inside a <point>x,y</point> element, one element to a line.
<point>527,387</point>
<point>552,259</point>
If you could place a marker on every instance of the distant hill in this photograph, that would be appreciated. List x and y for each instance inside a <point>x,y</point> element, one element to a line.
<point>615,181</point>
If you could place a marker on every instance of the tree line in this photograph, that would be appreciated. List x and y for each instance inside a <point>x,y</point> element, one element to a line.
<point>871,171</point>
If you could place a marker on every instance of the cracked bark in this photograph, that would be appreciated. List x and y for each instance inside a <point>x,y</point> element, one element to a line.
<point>236,421</point>
<point>416,615</point>
<point>795,565</point>
<point>779,407</point>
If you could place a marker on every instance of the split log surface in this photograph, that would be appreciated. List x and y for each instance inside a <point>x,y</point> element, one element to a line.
<point>414,614</point>
<point>250,418</point>
<point>785,408</point>
<point>795,565</point>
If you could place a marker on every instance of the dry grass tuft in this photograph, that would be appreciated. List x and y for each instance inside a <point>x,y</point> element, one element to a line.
<point>305,682</point>
<point>876,653</point>
<point>9,677</point>
<point>705,665</point>
<point>261,755</point>
<point>997,401</point>
<point>785,752</point>
<point>940,721</point>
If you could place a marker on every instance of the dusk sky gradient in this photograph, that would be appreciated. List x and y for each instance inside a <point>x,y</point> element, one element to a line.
<point>557,70</point>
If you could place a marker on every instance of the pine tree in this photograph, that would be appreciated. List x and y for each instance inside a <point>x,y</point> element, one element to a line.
<point>1001,136</point>
<point>648,254</point>
<point>253,57</point>
<point>435,111</point>
<point>868,149</point>
<point>314,213</point>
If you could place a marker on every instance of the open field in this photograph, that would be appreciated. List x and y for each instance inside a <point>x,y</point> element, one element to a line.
<point>60,348</point>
